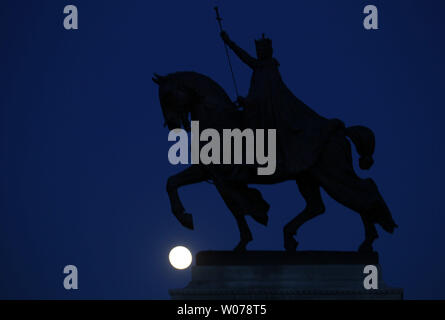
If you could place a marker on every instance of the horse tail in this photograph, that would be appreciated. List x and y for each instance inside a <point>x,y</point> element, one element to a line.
<point>364,141</point>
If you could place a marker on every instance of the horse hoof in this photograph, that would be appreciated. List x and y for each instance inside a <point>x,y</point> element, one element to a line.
<point>365,248</point>
<point>261,218</point>
<point>187,220</point>
<point>241,247</point>
<point>260,215</point>
<point>290,244</point>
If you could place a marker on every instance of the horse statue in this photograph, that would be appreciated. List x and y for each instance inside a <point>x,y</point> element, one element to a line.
<point>189,96</point>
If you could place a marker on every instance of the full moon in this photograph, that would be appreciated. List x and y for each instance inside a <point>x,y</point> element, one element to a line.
<point>180,257</point>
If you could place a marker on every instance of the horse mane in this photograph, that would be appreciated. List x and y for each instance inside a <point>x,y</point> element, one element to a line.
<point>201,84</point>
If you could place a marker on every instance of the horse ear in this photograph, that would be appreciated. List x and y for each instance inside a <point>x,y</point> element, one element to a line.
<point>157,78</point>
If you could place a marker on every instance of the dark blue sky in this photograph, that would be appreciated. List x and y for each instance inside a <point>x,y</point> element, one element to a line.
<point>84,154</point>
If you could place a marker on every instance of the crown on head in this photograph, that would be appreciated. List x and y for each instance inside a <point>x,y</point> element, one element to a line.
<point>263,42</point>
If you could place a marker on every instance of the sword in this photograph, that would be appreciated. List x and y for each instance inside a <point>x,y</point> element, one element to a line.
<point>219,19</point>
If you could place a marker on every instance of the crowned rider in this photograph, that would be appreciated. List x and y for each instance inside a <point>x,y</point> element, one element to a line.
<point>301,132</point>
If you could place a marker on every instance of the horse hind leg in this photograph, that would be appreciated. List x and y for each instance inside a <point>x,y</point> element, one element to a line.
<point>310,190</point>
<point>358,195</point>
<point>370,235</point>
<point>376,213</point>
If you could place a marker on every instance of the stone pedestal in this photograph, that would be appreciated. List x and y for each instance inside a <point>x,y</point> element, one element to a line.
<point>276,275</point>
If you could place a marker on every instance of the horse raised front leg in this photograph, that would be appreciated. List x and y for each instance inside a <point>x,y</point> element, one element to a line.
<point>193,174</point>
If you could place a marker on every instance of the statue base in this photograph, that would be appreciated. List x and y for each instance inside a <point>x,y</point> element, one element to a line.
<point>280,275</point>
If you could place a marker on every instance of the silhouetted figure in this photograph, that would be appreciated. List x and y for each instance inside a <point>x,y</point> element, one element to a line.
<point>271,105</point>
<point>190,95</point>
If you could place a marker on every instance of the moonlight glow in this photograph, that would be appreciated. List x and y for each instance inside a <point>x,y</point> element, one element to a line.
<point>180,257</point>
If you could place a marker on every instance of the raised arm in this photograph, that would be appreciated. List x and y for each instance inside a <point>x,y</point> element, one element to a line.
<point>243,55</point>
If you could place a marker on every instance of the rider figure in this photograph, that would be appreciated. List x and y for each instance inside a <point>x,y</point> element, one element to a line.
<point>263,65</point>
<point>271,105</point>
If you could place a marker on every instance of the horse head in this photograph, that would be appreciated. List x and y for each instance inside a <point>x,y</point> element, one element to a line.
<point>175,100</point>
<point>187,94</point>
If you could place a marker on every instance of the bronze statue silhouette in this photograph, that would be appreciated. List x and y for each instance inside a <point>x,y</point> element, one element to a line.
<point>311,150</point>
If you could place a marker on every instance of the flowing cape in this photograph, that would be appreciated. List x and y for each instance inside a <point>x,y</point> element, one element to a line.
<point>301,132</point>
